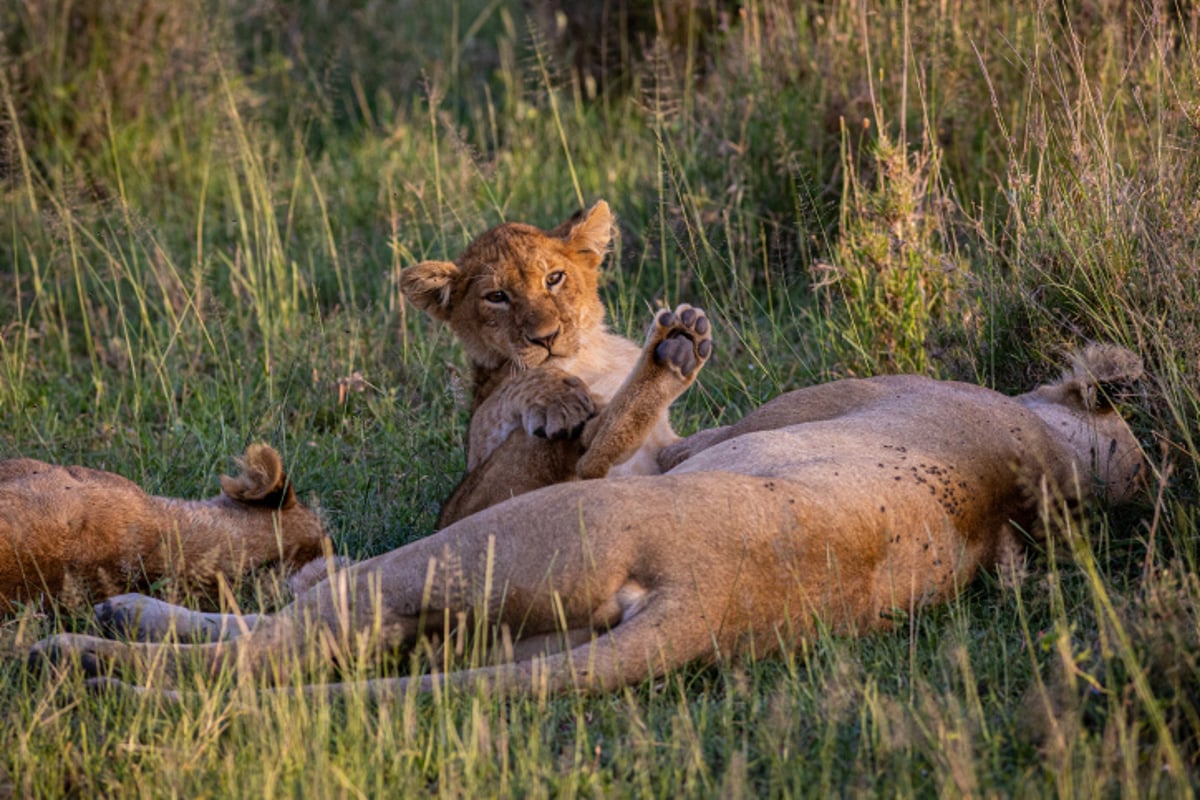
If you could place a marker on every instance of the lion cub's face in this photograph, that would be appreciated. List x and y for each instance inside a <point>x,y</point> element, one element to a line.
<point>519,294</point>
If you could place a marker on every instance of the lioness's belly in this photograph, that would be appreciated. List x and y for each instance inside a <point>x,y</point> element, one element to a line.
<point>909,522</point>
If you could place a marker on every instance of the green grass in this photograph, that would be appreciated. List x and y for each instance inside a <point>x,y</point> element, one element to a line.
<point>203,212</point>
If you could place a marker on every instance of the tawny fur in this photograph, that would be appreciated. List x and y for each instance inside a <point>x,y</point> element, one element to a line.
<point>73,533</point>
<point>628,426</point>
<point>525,306</point>
<point>841,505</point>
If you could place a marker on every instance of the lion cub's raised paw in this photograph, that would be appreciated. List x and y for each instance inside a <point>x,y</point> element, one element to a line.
<point>682,340</point>
<point>678,344</point>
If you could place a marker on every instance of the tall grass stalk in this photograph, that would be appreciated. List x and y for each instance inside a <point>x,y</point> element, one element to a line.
<point>202,236</point>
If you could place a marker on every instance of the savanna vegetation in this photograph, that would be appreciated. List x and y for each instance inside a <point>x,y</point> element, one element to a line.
<point>204,207</point>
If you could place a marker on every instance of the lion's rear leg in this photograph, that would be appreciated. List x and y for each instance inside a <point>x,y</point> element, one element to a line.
<point>273,650</point>
<point>270,648</point>
<point>660,638</point>
<point>147,619</point>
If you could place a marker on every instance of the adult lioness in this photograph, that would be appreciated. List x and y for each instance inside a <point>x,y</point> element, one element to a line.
<point>88,533</point>
<point>524,304</point>
<point>838,504</point>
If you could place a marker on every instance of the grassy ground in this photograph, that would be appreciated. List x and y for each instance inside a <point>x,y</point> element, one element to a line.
<point>203,210</point>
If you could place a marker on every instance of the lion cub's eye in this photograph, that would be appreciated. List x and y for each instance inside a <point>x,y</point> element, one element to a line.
<point>555,278</point>
<point>496,298</point>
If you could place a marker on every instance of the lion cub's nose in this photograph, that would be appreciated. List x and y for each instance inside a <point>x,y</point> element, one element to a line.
<point>546,341</point>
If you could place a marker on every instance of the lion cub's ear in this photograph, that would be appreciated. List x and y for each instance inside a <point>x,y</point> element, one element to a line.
<point>589,233</point>
<point>262,481</point>
<point>429,286</point>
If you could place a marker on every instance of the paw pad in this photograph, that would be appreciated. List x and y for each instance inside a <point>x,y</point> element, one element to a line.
<point>684,339</point>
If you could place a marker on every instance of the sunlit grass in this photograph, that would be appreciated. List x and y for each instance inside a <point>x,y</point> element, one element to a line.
<point>201,257</point>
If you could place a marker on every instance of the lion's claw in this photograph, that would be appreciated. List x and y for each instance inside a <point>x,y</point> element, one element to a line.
<point>563,413</point>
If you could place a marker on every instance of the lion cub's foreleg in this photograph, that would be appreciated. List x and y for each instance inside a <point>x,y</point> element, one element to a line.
<point>677,346</point>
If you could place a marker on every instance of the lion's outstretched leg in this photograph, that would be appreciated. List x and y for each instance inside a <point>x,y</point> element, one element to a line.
<point>271,650</point>
<point>147,619</point>
<point>272,646</point>
<point>344,618</point>
<point>677,346</point>
<point>633,651</point>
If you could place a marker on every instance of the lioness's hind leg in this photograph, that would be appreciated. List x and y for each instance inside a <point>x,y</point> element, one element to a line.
<point>650,644</point>
<point>261,652</point>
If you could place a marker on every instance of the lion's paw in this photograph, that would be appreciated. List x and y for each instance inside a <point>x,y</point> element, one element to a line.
<point>135,616</point>
<point>64,648</point>
<point>682,339</point>
<point>558,409</point>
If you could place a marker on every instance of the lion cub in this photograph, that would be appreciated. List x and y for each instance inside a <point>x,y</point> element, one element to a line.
<point>555,394</point>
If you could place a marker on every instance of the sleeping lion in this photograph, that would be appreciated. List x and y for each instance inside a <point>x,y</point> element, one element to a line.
<point>70,533</point>
<point>840,505</point>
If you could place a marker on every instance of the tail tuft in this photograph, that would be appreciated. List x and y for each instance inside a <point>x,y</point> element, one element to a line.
<point>262,481</point>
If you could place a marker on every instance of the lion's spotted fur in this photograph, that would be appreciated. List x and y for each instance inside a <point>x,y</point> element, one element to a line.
<point>73,533</point>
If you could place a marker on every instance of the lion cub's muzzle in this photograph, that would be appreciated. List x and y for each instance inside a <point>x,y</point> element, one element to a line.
<point>545,340</point>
